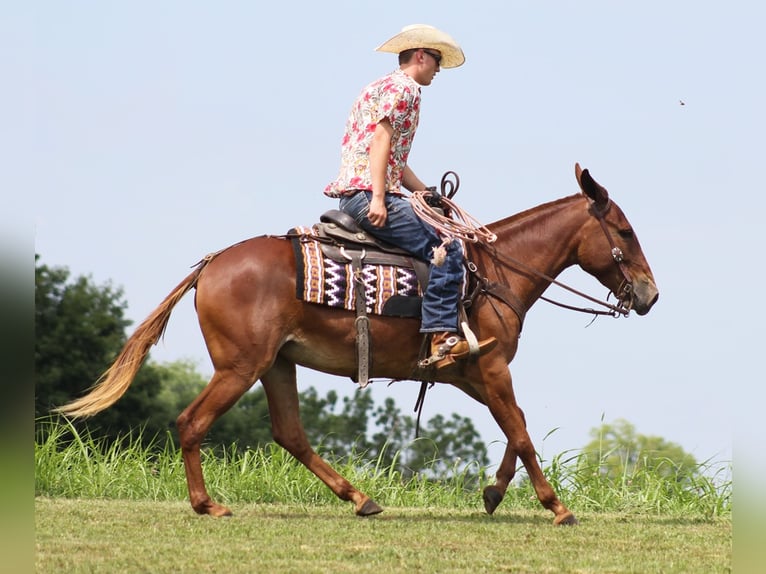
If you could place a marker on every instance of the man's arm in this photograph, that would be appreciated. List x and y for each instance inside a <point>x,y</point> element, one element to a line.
<point>410,181</point>
<point>380,151</point>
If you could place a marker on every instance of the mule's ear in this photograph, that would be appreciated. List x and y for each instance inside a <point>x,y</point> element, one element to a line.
<point>578,174</point>
<point>591,187</point>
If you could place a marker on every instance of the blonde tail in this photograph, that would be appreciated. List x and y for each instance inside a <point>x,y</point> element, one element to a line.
<point>116,380</point>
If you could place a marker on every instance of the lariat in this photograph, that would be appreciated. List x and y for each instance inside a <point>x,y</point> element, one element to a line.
<point>449,219</point>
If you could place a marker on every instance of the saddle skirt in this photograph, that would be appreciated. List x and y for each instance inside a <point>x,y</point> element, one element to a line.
<point>327,253</point>
<point>389,289</point>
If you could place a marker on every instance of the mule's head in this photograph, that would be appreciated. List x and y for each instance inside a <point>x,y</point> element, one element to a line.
<point>609,250</point>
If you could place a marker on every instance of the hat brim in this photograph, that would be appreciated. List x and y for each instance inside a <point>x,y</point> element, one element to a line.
<point>422,36</point>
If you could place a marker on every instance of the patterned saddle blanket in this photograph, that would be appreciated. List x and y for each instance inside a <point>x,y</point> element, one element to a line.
<point>389,289</point>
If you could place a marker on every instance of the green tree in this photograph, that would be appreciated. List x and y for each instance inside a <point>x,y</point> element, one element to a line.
<point>336,427</point>
<point>618,451</point>
<point>395,432</point>
<point>79,330</point>
<point>446,444</point>
<point>441,445</point>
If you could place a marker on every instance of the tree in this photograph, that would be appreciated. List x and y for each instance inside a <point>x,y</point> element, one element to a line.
<point>395,433</point>
<point>441,445</point>
<point>79,330</point>
<point>339,433</point>
<point>446,443</point>
<point>618,451</point>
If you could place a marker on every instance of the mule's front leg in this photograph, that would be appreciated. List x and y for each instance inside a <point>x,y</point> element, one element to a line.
<point>502,404</point>
<point>287,429</point>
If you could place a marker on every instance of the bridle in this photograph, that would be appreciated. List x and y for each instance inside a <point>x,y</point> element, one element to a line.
<point>459,224</point>
<point>624,293</point>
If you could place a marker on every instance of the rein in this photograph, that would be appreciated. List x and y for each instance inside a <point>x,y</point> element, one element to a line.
<point>456,223</point>
<point>613,310</point>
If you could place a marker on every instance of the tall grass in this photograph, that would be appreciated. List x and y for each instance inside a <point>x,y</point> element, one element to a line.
<point>73,465</point>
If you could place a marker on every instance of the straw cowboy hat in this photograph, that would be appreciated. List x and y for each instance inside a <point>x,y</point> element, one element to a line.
<point>424,36</point>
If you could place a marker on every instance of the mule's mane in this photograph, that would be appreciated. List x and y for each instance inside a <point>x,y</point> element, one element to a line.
<point>522,217</point>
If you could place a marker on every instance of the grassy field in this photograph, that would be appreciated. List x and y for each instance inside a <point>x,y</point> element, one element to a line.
<point>124,509</point>
<point>144,536</point>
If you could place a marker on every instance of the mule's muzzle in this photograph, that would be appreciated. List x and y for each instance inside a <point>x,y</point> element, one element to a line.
<point>644,296</point>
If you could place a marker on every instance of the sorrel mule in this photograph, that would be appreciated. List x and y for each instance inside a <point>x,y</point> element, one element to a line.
<point>255,328</point>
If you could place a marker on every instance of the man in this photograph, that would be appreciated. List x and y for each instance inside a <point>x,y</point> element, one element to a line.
<point>374,168</point>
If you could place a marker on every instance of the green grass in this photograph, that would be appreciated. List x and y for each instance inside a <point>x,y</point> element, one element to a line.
<point>76,535</point>
<point>74,466</point>
<point>124,508</point>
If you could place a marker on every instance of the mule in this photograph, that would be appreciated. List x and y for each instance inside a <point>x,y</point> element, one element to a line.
<point>255,328</point>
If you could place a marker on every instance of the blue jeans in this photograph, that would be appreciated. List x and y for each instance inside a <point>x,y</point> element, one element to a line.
<point>406,230</point>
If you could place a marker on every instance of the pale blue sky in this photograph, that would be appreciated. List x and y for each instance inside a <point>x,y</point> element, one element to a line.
<point>151,133</point>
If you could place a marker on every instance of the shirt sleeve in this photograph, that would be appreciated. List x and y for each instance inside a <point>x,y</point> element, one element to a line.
<point>398,104</point>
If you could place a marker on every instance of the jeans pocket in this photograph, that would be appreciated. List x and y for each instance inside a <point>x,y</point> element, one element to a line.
<point>357,206</point>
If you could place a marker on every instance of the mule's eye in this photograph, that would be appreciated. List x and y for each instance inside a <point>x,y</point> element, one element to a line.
<point>626,233</point>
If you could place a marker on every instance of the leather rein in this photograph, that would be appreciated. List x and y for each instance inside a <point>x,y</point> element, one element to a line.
<point>625,292</point>
<point>624,295</point>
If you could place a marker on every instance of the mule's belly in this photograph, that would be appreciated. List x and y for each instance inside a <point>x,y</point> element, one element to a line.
<point>394,347</point>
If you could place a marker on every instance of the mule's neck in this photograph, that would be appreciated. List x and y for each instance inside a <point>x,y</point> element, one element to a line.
<point>544,239</point>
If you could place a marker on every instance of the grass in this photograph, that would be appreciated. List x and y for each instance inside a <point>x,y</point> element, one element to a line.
<point>101,508</point>
<point>75,535</point>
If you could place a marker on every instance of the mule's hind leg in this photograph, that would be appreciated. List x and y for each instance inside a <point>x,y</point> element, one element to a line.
<point>286,428</point>
<point>223,390</point>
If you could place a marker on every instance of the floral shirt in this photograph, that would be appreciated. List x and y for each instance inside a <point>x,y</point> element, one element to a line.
<point>395,96</point>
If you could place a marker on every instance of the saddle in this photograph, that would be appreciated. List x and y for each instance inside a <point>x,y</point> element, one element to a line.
<point>346,241</point>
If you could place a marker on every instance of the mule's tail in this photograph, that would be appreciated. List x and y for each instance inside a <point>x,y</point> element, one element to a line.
<point>117,378</point>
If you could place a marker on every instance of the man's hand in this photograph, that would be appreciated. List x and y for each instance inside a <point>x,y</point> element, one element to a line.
<point>378,212</point>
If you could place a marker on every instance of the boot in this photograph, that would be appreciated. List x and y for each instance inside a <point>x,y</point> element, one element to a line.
<point>446,347</point>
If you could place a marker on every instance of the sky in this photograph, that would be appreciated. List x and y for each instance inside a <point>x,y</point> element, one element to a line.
<point>143,135</point>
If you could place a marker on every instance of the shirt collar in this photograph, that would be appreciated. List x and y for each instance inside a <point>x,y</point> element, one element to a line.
<point>405,77</point>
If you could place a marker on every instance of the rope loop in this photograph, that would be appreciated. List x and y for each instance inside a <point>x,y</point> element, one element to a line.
<point>461,225</point>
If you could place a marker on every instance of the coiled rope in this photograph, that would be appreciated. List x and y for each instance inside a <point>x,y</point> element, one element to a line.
<point>461,224</point>
<point>458,225</point>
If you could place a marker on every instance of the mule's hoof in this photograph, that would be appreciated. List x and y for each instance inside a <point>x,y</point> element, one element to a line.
<point>567,520</point>
<point>212,509</point>
<point>221,511</point>
<point>492,498</point>
<point>369,508</point>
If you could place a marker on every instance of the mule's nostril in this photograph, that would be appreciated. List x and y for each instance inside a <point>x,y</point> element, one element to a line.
<point>644,309</point>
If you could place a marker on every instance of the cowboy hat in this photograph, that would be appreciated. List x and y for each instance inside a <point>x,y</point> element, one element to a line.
<point>425,36</point>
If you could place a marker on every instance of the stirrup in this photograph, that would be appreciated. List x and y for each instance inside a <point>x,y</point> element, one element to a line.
<point>442,353</point>
<point>471,339</point>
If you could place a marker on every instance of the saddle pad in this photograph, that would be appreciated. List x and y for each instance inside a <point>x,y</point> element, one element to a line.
<point>327,282</point>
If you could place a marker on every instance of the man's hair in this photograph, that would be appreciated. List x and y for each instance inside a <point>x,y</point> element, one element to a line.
<point>406,56</point>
